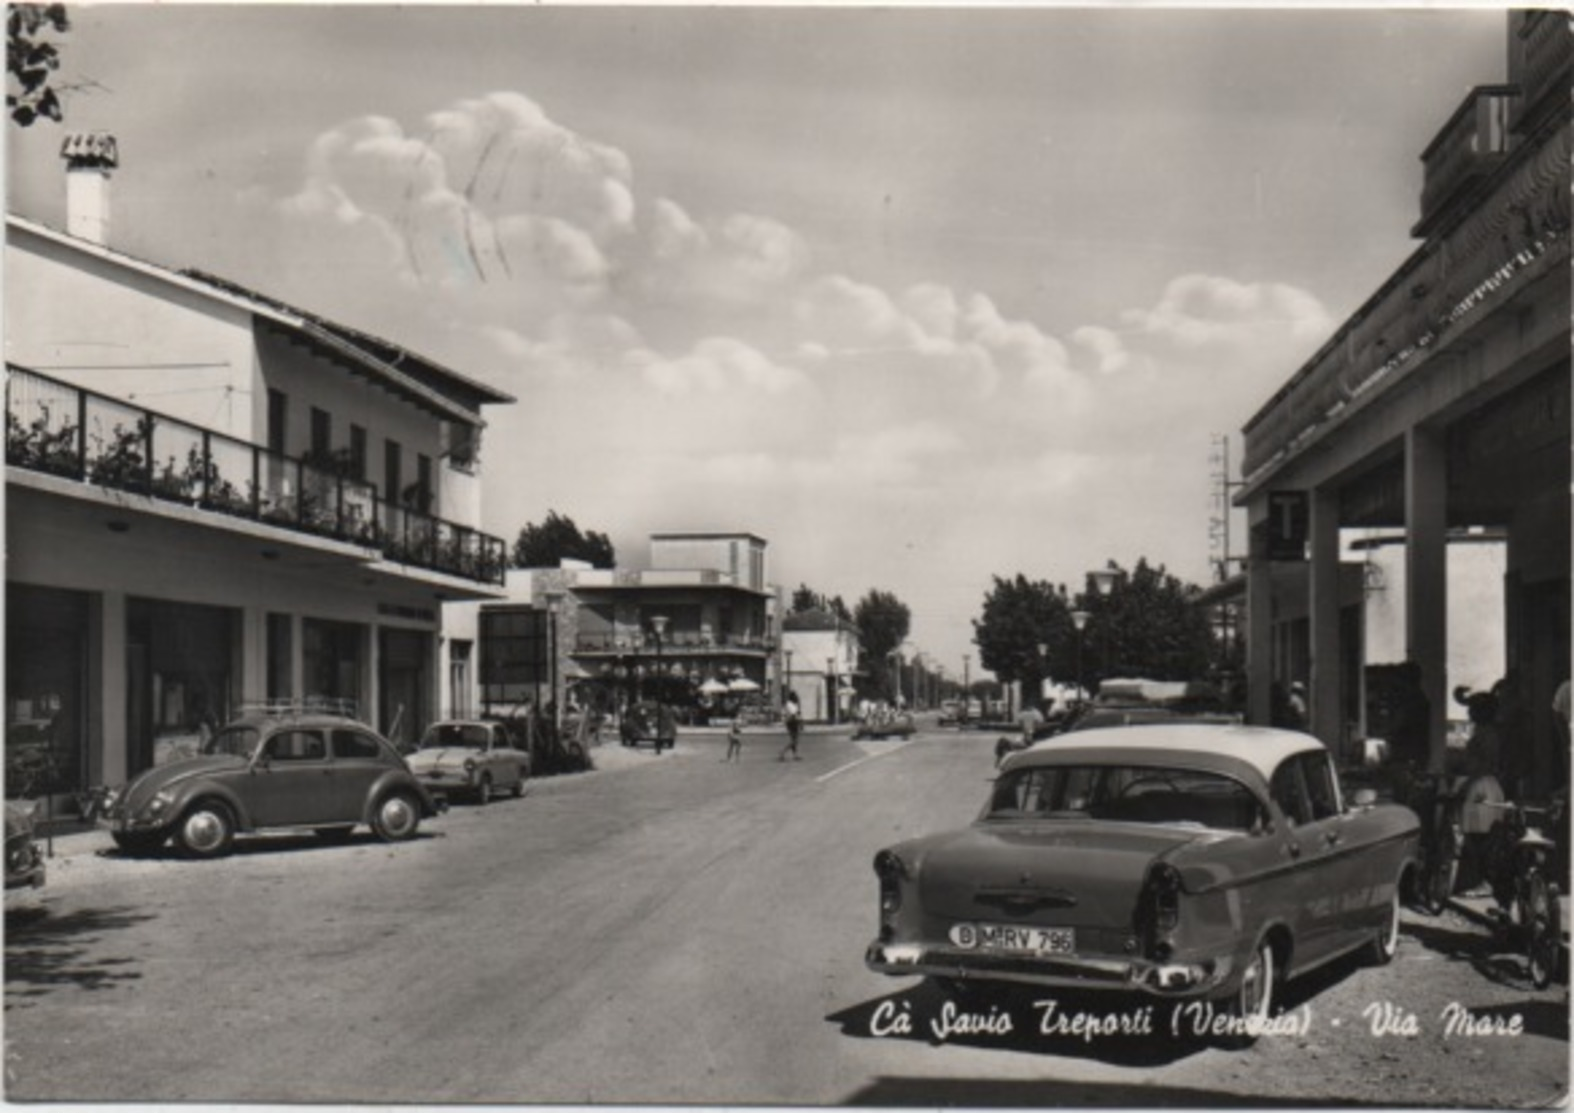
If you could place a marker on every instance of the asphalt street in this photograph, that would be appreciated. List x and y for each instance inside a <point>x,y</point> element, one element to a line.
<point>669,929</point>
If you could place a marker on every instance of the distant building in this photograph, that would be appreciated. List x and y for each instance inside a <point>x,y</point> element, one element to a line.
<point>1439,411</point>
<point>700,621</point>
<point>215,498</point>
<point>820,659</point>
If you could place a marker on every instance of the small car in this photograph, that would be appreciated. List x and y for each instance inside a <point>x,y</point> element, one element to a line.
<point>650,720</point>
<point>24,862</point>
<point>950,712</point>
<point>270,770</point>
<point>470,757</point>
<point>1189,862</point>
<point>899,725</point>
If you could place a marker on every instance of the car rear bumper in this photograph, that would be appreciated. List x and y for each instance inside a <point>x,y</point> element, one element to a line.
<point>1123,975</point>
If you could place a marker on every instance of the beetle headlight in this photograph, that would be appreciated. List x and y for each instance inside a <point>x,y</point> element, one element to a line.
<point>160,803</point>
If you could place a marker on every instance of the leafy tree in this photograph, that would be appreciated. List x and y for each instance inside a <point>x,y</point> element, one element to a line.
<point>30,59</point>
<point>1019,616</point>
<point>557,538</point>
<point>1149,625</point>
<point>883,622</point>
<point>806,599</point>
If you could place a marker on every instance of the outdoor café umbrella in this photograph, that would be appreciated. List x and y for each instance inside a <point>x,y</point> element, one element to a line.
<point>742,684</point>
<point>712,686</point>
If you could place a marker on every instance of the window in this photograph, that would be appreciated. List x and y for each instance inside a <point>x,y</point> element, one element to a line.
<point>459,677</point>
<point>295,745</point>
<point>423,483</point>
<point>1322,788</point>
<point>278,413</point>
<point>353,745</point>
<point>1290,794</point>
<point>281,654</point>
<point>393,470</point>
<point>322,433</point>
<point>358,453</point>
<point>1128,794</point>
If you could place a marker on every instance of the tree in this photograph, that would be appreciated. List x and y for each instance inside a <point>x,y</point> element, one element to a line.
<point>1148,626</point>
<point>30,59</point>
<point>557,538</point>
<point>883,623</point>
<point>1020,615</point>
<point>805,599</point>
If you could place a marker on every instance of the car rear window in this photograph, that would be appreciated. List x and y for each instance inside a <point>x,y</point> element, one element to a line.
<point>1126,794</point>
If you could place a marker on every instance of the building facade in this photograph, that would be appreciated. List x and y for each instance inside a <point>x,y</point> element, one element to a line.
<point>214,499</point>
<point>820,663</point>
<point>1439,412</point>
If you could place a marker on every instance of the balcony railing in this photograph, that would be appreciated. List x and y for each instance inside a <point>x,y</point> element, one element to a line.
<point>63,430</point>
<point>673,643</point>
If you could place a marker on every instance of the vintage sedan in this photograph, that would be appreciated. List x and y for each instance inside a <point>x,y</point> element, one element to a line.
<point>470,757</point>
<point>308,770</point>
<point>1193,862</point>
<point>24,862</point>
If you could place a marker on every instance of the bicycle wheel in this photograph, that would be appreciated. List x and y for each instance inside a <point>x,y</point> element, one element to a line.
<point>1540,920</point>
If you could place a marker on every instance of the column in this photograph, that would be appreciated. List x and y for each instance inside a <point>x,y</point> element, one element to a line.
<point>1324,703</point>
<point>1426,565</point>
<point>1259,625</point>
<point>111,646</point>
<point>253,654</point>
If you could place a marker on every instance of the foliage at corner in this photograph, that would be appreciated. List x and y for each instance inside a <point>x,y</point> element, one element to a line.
<point>558,538</point>
<point>883,623</point>
<point>805,600</point>
<point>1147,626</point>
<point>31,58</point>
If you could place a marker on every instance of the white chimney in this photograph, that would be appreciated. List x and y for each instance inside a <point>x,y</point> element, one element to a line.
<point>90,157</point>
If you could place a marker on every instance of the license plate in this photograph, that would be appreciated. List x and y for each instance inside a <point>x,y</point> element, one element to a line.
<point>1015,939</point>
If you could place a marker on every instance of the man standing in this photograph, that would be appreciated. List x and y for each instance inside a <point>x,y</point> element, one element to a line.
<point>793,717</point>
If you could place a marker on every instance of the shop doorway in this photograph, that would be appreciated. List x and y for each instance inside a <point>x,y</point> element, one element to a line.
<point>181,661</point>
<point>404,683</point>
<point>46,669</point>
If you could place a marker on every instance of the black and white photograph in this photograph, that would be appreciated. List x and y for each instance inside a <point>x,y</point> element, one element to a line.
<point>927,556</point>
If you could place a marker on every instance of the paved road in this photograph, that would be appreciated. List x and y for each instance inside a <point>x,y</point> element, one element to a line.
<point>671,929</point>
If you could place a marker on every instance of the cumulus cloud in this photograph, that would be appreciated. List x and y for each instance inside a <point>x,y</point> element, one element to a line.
<point>713,365</point>
<point>1198,310</point>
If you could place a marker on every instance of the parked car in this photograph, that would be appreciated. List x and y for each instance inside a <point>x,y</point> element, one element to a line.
<point>1185,861</point>
<point>269,770</point>
<point>474,758</point>
<point>950,712</point>
<point>650,720</point>
<point>24,862</point>
<point>898,724</point>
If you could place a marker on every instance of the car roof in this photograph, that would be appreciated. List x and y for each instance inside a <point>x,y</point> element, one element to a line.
<point>1259,748</point>
<point>262,719</point>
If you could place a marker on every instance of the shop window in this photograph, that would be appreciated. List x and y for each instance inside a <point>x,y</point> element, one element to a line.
<point>45,693</point>
<point>179,677</point>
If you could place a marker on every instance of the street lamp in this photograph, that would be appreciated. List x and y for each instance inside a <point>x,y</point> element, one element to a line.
<point>658,625</point>
<point>830,689</point>
<point>1104,583</point>
<point>554,600</point>
<point>1079,619</point>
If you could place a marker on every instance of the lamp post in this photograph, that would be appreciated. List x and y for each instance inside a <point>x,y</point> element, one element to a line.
<point>1043,674</point>
<point>830,690</point>
<point>1104,584</point>
<point>1079,619</point>
<point>967,686</point>
<point>658,626</point>
<point>896,675</point>
<point>787,680</point>
<point>554,600</point>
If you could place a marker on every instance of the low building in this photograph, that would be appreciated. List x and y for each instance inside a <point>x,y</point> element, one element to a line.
<point>214,498</point>
<point>820,662</point>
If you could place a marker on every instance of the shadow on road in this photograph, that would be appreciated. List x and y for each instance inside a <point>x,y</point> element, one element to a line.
<point>250,845</point>
<point>44,952</point>
<point>1131,1032</point>
<point>945,1093</point>
<point>1477,946</point>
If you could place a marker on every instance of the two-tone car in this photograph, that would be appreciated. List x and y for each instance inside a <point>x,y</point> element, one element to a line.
<point>1184,861</point>
<point>473,758</point>
<point>270,770</point>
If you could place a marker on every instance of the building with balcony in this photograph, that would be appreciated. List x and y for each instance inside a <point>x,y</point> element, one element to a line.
<point>701,618</point>
<point>820,663</point>
<point>215,498</point>
<point>1437,415</point>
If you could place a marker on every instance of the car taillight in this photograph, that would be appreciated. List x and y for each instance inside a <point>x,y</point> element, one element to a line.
<point>891,871</point>
<point>1161,906</point>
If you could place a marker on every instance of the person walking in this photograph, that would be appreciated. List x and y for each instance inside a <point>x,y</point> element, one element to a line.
<point>792,715</point>
<point>735,739</point>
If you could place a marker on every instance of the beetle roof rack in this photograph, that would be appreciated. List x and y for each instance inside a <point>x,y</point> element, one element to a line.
<point>311,705</point>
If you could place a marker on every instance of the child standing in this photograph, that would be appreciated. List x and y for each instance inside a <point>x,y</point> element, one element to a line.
<point>735,740</point>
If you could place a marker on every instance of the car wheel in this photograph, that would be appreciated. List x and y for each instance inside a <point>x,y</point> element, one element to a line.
<point>207,830</point>
<point>138,842</point>
<point>335,834</point>
<point>397,817</point>
<point>483,790</point>
<point>1382,947</point>
<point>1539,916</point>
<point>1252,1004</point>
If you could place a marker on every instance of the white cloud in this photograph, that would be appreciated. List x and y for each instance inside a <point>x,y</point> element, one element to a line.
<point>713,365</point>
<point>1200,310</point>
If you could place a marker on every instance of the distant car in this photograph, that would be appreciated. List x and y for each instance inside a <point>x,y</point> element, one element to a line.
<point>950,712</point>
<point>24,862</point>
<point>474,758</point>
<point>265,771</point>
<point>899,725</point>
<point>1183,862</point>
<point>648,720</point>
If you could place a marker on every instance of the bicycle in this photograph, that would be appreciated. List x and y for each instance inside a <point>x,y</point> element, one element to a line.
<point>1520,860</point>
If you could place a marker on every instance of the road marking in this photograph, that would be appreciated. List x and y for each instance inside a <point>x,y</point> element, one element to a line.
<point>823,777</point>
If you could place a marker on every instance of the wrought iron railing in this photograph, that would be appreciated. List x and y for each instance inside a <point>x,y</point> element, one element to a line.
<point>63,430</point>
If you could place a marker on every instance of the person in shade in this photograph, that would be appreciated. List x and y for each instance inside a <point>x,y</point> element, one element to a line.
<point>792,715</point>
<point>735,738</point>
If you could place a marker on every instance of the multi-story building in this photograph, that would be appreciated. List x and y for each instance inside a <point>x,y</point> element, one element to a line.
<point>820,662</point>
<point>1439,410</point>
<point>215,498</point>
<point>699,620</point>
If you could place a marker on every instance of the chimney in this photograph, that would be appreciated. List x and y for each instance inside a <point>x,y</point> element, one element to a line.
<point>90,157</point>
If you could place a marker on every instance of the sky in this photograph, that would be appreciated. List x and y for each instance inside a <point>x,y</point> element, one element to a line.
<point>922,296</point>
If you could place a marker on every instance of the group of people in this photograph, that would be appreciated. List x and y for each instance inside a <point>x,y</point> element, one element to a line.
<point>792,718</point>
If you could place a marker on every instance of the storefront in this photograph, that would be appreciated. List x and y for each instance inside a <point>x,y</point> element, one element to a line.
<point>46,743</point>
<point>181,664</point>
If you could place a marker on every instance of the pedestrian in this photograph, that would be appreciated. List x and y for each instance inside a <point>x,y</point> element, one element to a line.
<point>1298,710</point>
<point>735,739</point>
<point>793,717</point>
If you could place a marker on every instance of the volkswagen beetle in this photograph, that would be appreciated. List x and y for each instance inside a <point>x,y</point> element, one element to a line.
<point>309,770</point>
<point>1186,861</point>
